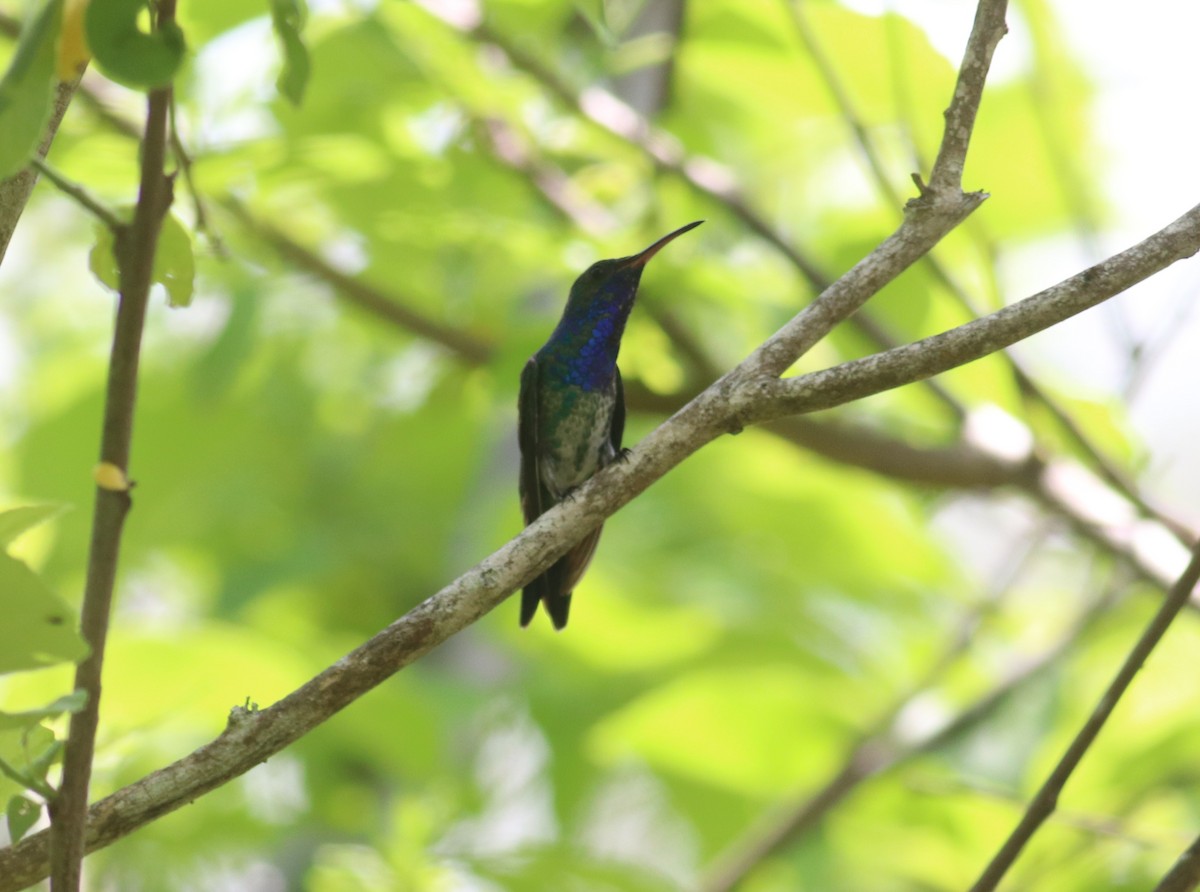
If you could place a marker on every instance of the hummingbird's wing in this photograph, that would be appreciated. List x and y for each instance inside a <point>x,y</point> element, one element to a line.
<point>534,499</point>
<point>566,573</point>
<point>552,588</point>
<point>618,418</point>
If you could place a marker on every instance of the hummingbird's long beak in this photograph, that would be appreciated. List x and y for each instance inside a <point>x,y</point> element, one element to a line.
<point>641,259</point>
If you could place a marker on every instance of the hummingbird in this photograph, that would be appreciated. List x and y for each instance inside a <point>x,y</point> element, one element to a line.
<point>571,412</point>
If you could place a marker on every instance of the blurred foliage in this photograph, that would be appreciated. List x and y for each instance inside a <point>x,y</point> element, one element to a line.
<point>306,471</point>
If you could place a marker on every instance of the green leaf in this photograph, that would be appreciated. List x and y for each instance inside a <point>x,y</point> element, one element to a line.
<point>22,814</point>
<point>16,521</point>
<point>21,764</point>
<point>287,17</point>
<point>40,764</point>
<point>595,13</point>
<point>127,54</point>
<point>39,627</point>
<point>25,91</point>
<point>174,262</point>
<point>102,260</point>
<point>72,702</point>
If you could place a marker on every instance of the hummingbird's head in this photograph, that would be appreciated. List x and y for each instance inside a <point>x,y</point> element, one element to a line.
<point>615,282</point>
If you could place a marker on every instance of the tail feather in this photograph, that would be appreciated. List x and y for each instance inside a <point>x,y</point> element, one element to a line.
<point>553,588</point>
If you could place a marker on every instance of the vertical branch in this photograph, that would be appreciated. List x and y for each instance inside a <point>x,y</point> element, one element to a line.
<point>134,247</point>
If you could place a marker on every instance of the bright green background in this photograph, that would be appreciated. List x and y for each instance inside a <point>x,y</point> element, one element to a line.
<point>307,472</point>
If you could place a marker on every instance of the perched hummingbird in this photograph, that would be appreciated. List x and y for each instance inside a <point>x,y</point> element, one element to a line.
<point>572,411</point>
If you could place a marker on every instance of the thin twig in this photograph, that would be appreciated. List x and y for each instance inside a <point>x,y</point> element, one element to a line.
<point>184,161</point>
<point>466,347</point>
<point>1108,826</point>
<point>1046,799</point>
<point>989,27</point>
<point>79,194</point>
<point>841,98</point>
<point>881,750</point>
<point>134,247</point>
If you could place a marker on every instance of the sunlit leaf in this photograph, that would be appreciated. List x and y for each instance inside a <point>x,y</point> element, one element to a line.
<point>39,627</point>
<point>22,813</point>
<point>26,89</point>
<point>102,261</point>
<point>174,262</point>
<point>16,521</point>
<point>72,702</point>
<point>20,769</point>
<point>73,52</point>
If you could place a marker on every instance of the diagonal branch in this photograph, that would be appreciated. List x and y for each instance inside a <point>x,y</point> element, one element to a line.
<point>882,750</point>
<point>1184,876</point>
<point>251,738</point>
<point>771,398</point>
<point>1046,799</point>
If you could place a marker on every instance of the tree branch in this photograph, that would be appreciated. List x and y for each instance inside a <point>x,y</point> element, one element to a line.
<point>989,27</point>
<point>941,206</point>
<point>253,737</point>
<point>1046,800</point>
<point>134,246</point>
<point>15,191</point>
<point>1026,382</point>
<point>771,398</point>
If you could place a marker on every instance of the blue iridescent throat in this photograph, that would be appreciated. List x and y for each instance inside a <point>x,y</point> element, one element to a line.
<point>584,346</point>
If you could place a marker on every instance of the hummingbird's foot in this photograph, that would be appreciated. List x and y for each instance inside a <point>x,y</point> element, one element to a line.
<point>623,454</point>
<point>569,495</point>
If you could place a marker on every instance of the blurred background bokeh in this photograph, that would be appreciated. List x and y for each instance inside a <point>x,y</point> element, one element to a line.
<point>909,603</point>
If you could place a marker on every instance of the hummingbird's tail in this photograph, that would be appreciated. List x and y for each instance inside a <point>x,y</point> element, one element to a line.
<point>553,588</point>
